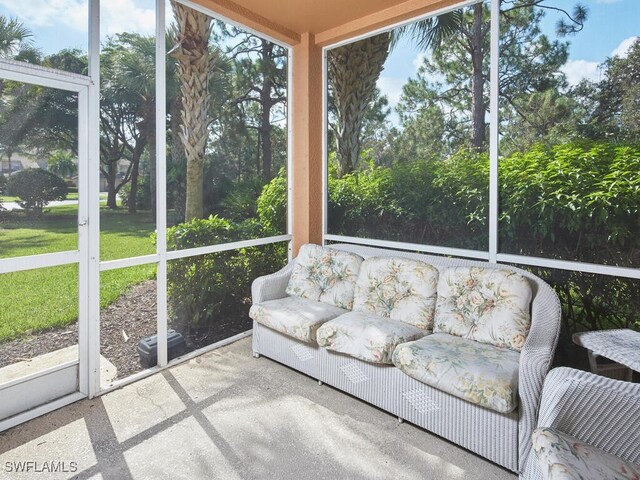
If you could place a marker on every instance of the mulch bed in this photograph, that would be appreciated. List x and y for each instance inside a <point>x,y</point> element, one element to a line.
<point>123,324</point>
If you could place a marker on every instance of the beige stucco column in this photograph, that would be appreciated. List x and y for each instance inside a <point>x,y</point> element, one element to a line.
<point>307,142</point>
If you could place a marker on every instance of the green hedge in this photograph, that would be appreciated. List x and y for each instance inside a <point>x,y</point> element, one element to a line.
<point>211,293</point>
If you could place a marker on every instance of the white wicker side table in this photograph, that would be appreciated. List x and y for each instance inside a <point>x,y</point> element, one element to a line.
<point>621,346</point>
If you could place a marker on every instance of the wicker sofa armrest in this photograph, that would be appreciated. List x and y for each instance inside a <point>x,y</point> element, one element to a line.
<point>535,361</point>
<point>598,410</point>
<point>273,286</point>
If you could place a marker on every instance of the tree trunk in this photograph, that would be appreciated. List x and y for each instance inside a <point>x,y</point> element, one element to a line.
<point>194,73</point>
<point>354,70</point>
<point>132,206</point>
<point>148,130</point>
<point>111,185</point>
<point>265,116</point>
<point>135,174</point>
<point>478,125</point>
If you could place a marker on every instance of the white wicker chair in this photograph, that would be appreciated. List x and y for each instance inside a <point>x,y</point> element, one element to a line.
<point>502,438</point>
<point>597,410</point>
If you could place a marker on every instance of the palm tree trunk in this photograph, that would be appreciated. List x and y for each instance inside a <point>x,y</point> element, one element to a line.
<point>148,130</point>
<point>353,72</point>
<point>194,72</point>
<point>178,161</point>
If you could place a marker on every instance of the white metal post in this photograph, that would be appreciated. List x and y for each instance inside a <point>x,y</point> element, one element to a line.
<point>161,183</point>
<point>93,199</point>
<point>290,133</point>
<point>494,133</point>
<point>83,240</point>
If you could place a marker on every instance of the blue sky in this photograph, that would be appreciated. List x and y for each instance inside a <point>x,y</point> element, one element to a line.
<point>56,24</point>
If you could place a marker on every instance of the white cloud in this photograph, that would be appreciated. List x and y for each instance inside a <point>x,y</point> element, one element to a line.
<point>117,15</point>
<point>576,70</point>
<point>392,88</point>
<point>623,48</point>
<point>40,13</point>
<point>419,60</point>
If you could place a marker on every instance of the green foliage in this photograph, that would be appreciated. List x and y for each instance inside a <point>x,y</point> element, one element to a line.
<point>36,188</point>
<point>206,290</point>
<point>3,183</point>
<point>577,201</point>
<point>610,107</point>
<point>272,205</point>
<point>62,163</point>
<point>240,203</point>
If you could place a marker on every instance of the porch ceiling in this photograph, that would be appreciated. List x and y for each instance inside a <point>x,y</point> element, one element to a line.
<point>328,20</point>
<point>315,16</point>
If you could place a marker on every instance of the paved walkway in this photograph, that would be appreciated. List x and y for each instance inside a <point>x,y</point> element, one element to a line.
<point>57,203</point>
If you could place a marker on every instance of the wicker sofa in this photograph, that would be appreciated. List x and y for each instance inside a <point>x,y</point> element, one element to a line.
<point>497,430</point>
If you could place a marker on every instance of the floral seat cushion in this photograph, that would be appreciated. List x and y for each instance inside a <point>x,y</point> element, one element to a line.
<point>477,372</point>
<point>325,275</point>
<point>397,288</point>
<point>562,457</point>
<point>484,304</point>
<point>365,336</point>
<point>294,316</point>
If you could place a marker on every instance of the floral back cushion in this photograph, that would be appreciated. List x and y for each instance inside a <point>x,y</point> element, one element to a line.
<point>398,288</point>
<point>325,275</point>
<point>484,304</point>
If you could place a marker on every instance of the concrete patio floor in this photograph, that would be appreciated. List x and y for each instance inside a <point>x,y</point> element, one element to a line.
<point>226,415</point>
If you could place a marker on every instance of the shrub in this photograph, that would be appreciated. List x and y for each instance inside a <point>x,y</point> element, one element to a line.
<point>36,188</point>
<point>207,290</point>
<point>241,201</point>
<point>272,205</point>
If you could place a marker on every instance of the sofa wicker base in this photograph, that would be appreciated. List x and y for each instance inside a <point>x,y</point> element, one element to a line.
<point>483,431</point>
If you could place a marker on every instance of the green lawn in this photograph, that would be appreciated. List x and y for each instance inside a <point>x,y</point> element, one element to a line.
<point>35,300</point>
<point>70,196</point>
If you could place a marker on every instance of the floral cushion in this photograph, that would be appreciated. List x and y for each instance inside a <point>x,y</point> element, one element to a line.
<point>326,275</point>
<point>483,374</point>
<point>295,316</point>
<point>397,288</point>
<point>484,304</point>
<point>562,457</point>
<point>365,336</point>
